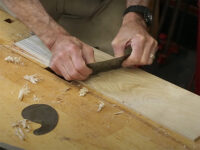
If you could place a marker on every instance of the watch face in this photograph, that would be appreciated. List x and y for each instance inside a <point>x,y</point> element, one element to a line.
<point>148,18</point>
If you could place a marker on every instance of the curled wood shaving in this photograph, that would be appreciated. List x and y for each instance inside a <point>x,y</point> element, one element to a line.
<point>114,105</point>
<point>20,133</point>
<point>15,60</point>
<point>32,78</point>
<point>19,126</point>
<point>24,91</point>
<point>35,98</point>
<point>118,113</point>
<point>67,89</point>
<point>101,106</point>
<point>83,91</point>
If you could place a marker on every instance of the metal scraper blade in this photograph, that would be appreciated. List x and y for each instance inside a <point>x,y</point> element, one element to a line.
<point>107,65</point>
<point>102,66</point>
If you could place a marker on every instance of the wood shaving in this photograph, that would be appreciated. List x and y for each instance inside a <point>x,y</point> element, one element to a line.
<point>59,100</point>
<point>20,133</point>
<point>67,89</point>
<point>32,78</point>
<point>24,91</point>
<point>114,105</point>
<point>14,60</point>
<point>19,35</point>
<point>35,98</point>
<point>83,91</point>
<point>101,106</point>
<point>118,113</point>
<point>19,126</point>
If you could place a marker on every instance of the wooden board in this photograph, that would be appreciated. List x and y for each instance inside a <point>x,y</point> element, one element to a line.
<point>80,126</point>
<point>161,101</point>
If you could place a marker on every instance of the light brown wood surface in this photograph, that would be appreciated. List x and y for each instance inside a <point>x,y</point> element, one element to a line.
<point>80,125</point>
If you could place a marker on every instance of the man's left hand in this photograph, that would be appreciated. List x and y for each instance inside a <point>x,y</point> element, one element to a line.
<point>133,32</point>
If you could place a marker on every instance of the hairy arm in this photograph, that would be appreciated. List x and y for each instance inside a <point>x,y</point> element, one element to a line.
<point>33,15</point>
<point>139,2</point>
<point>69,54</point>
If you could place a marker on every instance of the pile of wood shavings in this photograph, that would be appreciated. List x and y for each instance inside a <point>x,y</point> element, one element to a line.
<point>23,91</point>
<point>15,60</point>
<point>32,78</point>
<point>21,125</point>
<point>83,91</point>
<point>101,106</point>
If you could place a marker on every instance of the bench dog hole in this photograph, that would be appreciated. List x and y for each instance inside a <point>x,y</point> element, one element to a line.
<point>42,114</point>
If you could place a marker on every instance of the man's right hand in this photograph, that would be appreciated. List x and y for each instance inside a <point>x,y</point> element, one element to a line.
<point>70,56</point>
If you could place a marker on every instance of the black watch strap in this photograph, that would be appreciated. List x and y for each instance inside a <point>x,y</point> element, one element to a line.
<point>142,10</point>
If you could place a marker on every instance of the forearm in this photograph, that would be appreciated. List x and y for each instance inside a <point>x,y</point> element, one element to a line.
<point>135,16</point>
<point>32,14</point>
<point>146,3</point>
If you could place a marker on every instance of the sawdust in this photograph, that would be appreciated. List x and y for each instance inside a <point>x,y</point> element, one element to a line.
<point>25,90</point>
<point>20,127</point>
<point>101,106</point>
<point>67,89</point>
<point>32,78</point>
<point>83,91</point>
<point>14,60</point>
<point>35,98</point>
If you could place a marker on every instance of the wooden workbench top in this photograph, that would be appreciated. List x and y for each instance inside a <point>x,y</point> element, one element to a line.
<point>80,126</point>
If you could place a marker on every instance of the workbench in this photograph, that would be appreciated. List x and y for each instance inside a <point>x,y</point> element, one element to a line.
<point>80,126</point>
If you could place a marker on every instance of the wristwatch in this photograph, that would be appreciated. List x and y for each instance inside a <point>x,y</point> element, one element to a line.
<point>142,10</point>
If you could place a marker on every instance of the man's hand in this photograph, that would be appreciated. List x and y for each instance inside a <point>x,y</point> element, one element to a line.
<point>70,56</point>
<point>133,32</point>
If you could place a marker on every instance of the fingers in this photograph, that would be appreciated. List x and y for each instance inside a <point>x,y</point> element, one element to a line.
<point>79,63</point>
<point>118,47</point>
<point>88,54</point>
<point>137,45</point>
<point>64,66</point>
<point>149,52</point>
<point>69,71</point>
<point>153,52</point>
<point>143,51</point>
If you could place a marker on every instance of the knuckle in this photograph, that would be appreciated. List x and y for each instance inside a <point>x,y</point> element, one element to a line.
<point>80,67</point>
<point>91,51</point>
<point>60,54</point>
<point>141,37</point>
<point>73,47</point>
<point>144,62</point>
<point>74,74</point>
<point>68,77</point>
<point>115,43</point>
<point>156,43</point>
<point>150,62</point>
